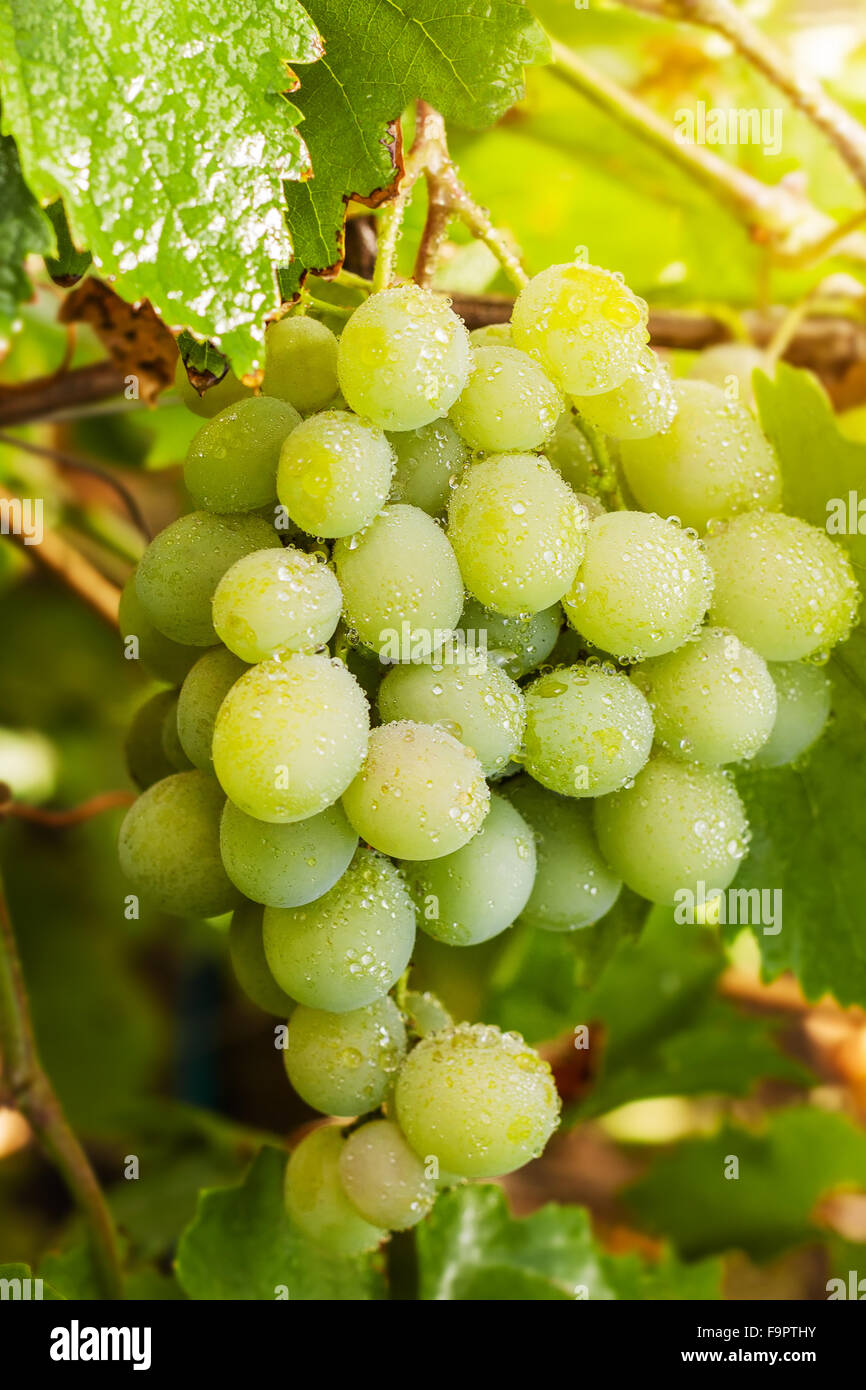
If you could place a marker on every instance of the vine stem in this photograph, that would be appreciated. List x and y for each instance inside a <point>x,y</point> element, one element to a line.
<point>62,560</point>
<point>69,463</point>
<point>61,820</point>
<point>25,1086</point>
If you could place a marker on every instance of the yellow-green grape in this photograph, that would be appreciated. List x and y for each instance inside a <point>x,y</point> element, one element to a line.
<point>583,324</point>
<point>169,847</point>
<point>574,886</point>
<point>479,1101</point>
<point>589,730</point>
<point>231,464</point>
<point>420,793</point>
<point>276,600</point>
<point>425,1013</point>
<point>711,462</point>
<point>468,695</point>
<point>201,695</point>
<point>679,826</point>
<point>301,363</point>
<point>643,588</point>
<point>402,590</point>
<point>404,358</point>
<point>713,700</point>
<point>782,585</point>
<point>247,954</point>
<point>179,571</point>
<point>475,893</point>
<point>492,335</point>
<point>146,756</point>
<point>383,1178</point>
<point>290,736</point>
<point>518,644</point>
<point>429,463</point>
<point>518,532</point>
<point>802,709</point>
<point>168,660</point>
<point>316,1202</point>
<point>286,865</point>
<point>350,946</point>
<point>335,473</point>
<point>508,402</point>
<point>730,367</point>
<point>345,1064</point>
<point>172,746</point>
<point>223,393</point>
<point>644,405</point>
<point>572,455</point>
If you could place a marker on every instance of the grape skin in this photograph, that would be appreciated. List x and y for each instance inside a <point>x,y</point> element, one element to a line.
<point>508,402</point>
<point>289,737</point>
<point>730,366</point>
<point>231,464</point>
<point>286,865</point>
<point>247,954</point>
<point>334,473</point>
<point>316,1202</point>
<point>301,362</point>
<point>344,1064</point>
<point>420,794</point>
<point>429,461</point>
<point>518,644</point>
<point>644,405</point>
<point>146,756</point>
<point>201,695</point>
<point>276,600</point>
<point>225,392</point>
<point>588,730</point>
<point>168,660</point>
<point>383,1178</point>
<point>803,694</point>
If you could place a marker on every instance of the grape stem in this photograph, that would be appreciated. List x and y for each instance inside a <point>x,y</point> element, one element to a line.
<point>61,820</point>
<point>64,562</point>
<point>68,463</point>
<point>447,198</point>
<point>25,1085</point>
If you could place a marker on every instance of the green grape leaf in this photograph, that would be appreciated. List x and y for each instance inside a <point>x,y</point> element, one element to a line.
<point>242,1246</point>
<point>692,1197</point>
<point>465,58</point>
<point>23,229</point>
<point>168,139</point>
<point>18,1281</point>
<point>472,1249</point>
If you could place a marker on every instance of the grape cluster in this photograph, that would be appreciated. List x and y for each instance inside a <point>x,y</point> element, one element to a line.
<point>467,629</point>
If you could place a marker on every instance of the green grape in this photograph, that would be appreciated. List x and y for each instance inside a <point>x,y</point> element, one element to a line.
<point>169,847</point>
<point>383,1178</point>
<point>507,403</point>
<point>315,1200</point>
<point>345,1064</point>
<point>713,700</point>
<point>286,865</point>
<point>479,1101</point>
<point>168,660</point>
<point>569,451</point>
<point>146,756</point>
<point>301,363</point>
<point>730,366</point>
<point>231,465</point>
<point>404,358</point>
<point>171,744</point>
<point>518,532</point>
<point>803,694</point>
<point>644,405</point>
<point>420,793</point>
<point>179,571</point>
<point>679,826</point>
<point>290,736</point>
<point>350,946</point>
<point>247,954</point>
<point>335,473</point>
<point>782,585</point>
<point>643,588</point>
<point>223,393</point>
<point>589,730</point>
<point>402,590</point>
<point>583,324</point>
<point>711,462</point>
<point>276,600</point>
<point>429,462</point>
<point>201,695</point>
<point>469,696</point>
<point>425,1013</point>
<point>475,893</point>
<point>492,335</point>
<point>517,644</point>
<point>573,887</point>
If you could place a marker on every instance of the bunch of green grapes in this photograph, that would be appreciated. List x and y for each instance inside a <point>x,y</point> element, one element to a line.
<point>425,670</point>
